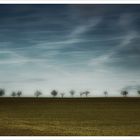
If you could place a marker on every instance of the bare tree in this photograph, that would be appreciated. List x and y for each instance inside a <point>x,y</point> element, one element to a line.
<point>72,92</point>
<point>86,93</point>
<point>106,93</point>
<point>81,94</point>
<point>62,94</point>
<point>54,93</point>
<point>13,94</point>
<point>38,93</point>
<point>2,92</point>
<point>19,93</point>
<point>124,93</point>
<point>138,92</point>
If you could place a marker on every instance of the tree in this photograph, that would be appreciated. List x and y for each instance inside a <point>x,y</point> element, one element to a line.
<point>86,93</point>
<point>2,92</point>
<point>54,93</point>
<point>81,93</point>
<point>124,93</point>
<point>105,93</point>
<point>19,93</point>
<point>72,92</point>
<point>62,94</point>
<point>13,94</point>
<point>37,93</point>
<point>138,92</point>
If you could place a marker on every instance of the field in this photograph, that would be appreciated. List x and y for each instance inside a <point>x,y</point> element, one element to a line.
<point>70,116</point>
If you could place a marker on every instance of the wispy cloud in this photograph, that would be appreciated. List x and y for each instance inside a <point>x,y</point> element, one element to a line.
<point>125,21</point>
<point>83,28</point>
<point>72,38</point>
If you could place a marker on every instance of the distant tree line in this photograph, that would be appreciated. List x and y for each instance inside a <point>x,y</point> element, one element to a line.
<point>54,93</point>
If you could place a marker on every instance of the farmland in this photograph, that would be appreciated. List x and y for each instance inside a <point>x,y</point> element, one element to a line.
<point>70,116</point>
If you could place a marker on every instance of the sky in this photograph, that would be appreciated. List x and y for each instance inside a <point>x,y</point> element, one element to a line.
<point>63,47</point>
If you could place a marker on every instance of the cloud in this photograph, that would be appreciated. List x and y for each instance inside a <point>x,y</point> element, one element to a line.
<point>74,37</point>
<point>112,55</point>
<point>56,45</point>
<point>81,29</point>
<point>23,80</point>
<point>127,40</point>
<point>15,57</point>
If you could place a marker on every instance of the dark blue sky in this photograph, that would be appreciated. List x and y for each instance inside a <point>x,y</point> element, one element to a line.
<point>94,47</point>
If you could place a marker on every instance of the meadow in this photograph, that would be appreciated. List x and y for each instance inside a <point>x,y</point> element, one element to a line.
<point>70,116</point>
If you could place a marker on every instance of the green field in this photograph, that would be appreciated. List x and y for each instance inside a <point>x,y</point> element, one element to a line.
<point>70,117</point>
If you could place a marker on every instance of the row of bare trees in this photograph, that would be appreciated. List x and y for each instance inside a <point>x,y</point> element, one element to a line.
<point>54,93</point>
<point>13,94</point>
